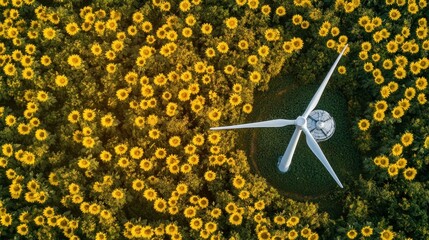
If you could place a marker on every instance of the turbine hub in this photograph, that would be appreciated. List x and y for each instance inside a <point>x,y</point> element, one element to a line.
<point>321,125</point>
<point>301,121</point>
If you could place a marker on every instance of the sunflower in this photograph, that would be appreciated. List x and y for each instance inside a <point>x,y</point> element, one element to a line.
<point>209,175</point>
<point>88,114</point>
<point>185,6</point>
<point>136,152</point>
<point>255,77</point>
<point>404,103</point>
<point>363,124</point>
<point>10,120</point>
<point>9,69</point>
<point>49,33</point>
<point>7,149</point>
<point>118,194</point>
<point>421,98</point>
<point>352,234</point>
<point>401,163</point>
<point>222,47</point>
<point>107,120</point>
<point>392,170</point>
<point>174,141</point>
<point>263,51</point>
<point>83,163</point>
<point>24,129</point>
<point>73,116</point>
<point>280,11</point>
<point>22,229</point>
<point>74,60</point>
<point>421,83</point>
<point>381,105</point>
<point>410,93</point>
<point>293,234</point>
<point>397,112</point>
<point>231,22</point>
<point>393,86</point>
<point>41,134</point>
<point>410,173</point>
<point>196,223</point>
<point>88,142</point>
<point>397,149</point>
<point>235,99</point>
<point>72,28</point>
<point>238,182</point>
<point>214,114</point>
<point>235,219</point>
<point>252,59</point>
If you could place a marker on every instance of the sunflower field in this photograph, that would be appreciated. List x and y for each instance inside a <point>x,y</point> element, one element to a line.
<point>105,110</point>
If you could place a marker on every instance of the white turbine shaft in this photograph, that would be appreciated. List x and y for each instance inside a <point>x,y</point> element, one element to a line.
<point>264,124</point>
<point>312,144</point>
<point>315,100</point>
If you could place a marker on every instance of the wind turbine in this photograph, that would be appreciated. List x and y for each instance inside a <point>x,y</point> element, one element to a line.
<point>317,125</point>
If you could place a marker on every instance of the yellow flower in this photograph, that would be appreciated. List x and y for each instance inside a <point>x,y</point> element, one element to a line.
<point>364,124</point>
<point>352,234</point>
<point>421,98</point>
<point>410,173</point>
<point>238,181</point>
<point>253,4</point>
<point>73,116</point>
<point>45,60</point>
<point>9,69</point>
<point>292,221</point>
<point>24,129</point>
<point>49,33</point>
<point>214,114</point>
<point>366,231</point>
<point>387,235</point>
<point>392,170</point>
<point>235,219</point>
<point>22,229</point>
<point>397,112</point>
<point>209,175</point>
<point>407,139</point>
<point>118,194</point>
<point>381,105</point>
<point>397,149</point>
<point>235,99</point>
<point>196,223</point>
<point>266,10</point>
<point>74,60</point>
<point>72,28</point>
<point>410,93</point>
<point>136,152</point>
<point>421,83</point>
<point>41,134</point>
<point>185,6</point>
<point>10,120</point>
<point>231,22</point>
<point>263,51</point>
<point>174,141</point>
<point>138,185</point>
<point>342,70</point>
<point>122,94</point>
<point>105,156</point>
<point>88,142</point>
<point>255,77</point>
<point>107,120</point>
<point>222,47</point>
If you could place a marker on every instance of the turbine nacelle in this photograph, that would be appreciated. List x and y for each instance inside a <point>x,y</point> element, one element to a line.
<point>317,125</point>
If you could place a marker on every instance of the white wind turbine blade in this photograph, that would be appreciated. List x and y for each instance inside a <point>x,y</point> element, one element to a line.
<point>315,100</point>
<point>311,142</point>
<point>264,124</point>
<point>290,150</point>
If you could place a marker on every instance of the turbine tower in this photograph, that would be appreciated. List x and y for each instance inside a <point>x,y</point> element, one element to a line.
<point>317,126</point>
